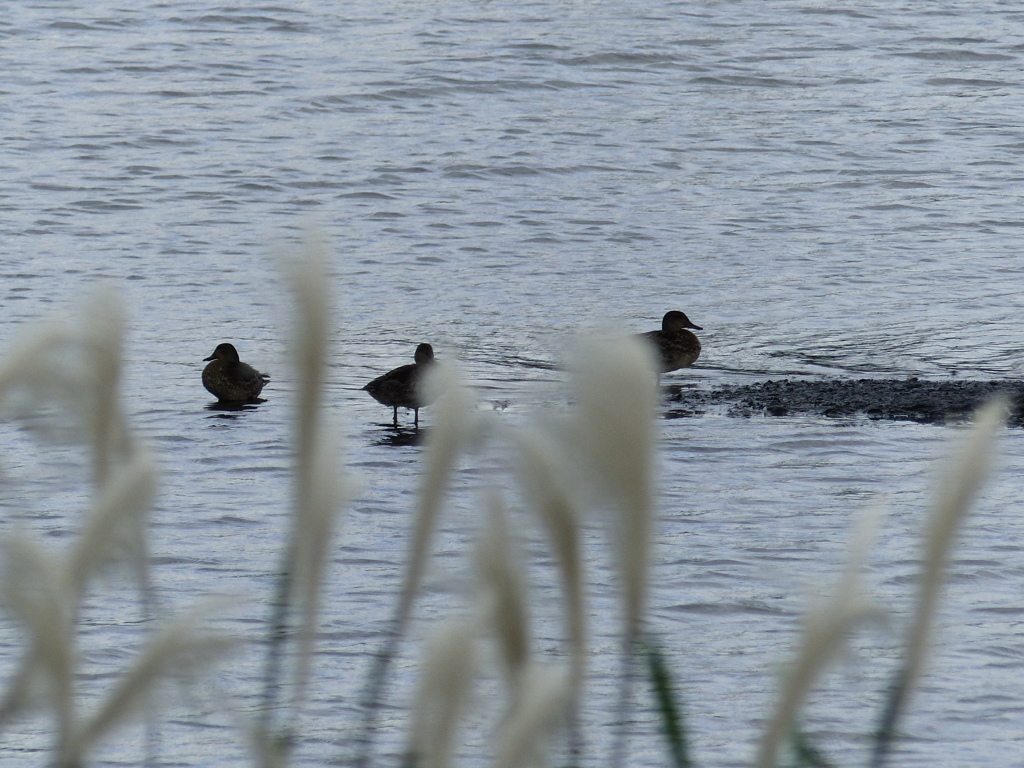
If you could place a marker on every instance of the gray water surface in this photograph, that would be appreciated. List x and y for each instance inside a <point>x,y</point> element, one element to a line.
<point>827,191</point>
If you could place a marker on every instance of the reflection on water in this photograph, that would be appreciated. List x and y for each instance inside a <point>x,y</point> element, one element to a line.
<point>231,407</point>
<point>390,436</point>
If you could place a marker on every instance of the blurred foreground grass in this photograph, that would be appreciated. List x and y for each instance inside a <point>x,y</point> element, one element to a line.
<point>604,447</point>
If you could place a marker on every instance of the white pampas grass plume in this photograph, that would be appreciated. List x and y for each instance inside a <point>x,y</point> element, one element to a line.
<point>957,488</point>
<point>547,484</point>
<point>102,337</point>
<point>35,593</point>
<point>319,489</point>
<point>75,365</point>
<point>825,631</point>
<point>178,647</point>
<point>447,675</point>
<point>116,523</point>
<point>453,427</point>
<point>508,609</point>
<point>28,367</point>
<point>616,384</point>
<point>543,703</point>
<point>615,381</point>
<point>314,530</point>
<point>309,279</point>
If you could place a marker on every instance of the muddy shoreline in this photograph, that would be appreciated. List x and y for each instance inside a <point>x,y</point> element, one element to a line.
<point>928,402</point>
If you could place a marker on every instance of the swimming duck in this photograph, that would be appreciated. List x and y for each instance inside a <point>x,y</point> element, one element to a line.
<point>677,347</point>
<point>229,378</point>
<point>400,387</point>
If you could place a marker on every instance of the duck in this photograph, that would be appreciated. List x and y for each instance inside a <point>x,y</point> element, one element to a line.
<point>229,379</point>
<point>677,347</point>
<point>400,387</point>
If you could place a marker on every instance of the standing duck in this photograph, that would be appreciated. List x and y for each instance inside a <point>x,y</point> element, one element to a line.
<point>231,380</point>
<point>400,387</point>
<point>677,347</point>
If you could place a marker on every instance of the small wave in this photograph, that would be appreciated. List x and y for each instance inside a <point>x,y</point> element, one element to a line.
<point>601,59</point>
<point>72,25</point>
<point>746,81</point>
<point>954,54</point>
<point>105,206</point>
<point>974,82</point>
<point>366,196</point>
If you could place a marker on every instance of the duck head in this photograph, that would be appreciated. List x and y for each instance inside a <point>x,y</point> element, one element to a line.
<point>225,352</point>
<point>675,321</point>
<point>424,354</point>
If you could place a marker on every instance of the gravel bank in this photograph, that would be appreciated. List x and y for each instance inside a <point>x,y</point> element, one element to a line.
<point>896,399</point>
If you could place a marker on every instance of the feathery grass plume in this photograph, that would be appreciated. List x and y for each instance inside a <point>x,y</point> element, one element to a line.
<point>957,488</point>
<point>309,278</point>
<point>46,374</point>
<point>102,338</point>
<point>318,494</point>
<point>826,628</point>
<point>544,700</point>
<point>673,723</point>
<point>314,531</point>
<point>447,675</point>
<point>79,367</point>
<point>31,370</point>
<point>507,603</point>
<point>123,473</point>
<point>548,488</point>
<point>31,592</point>
<point>616,384</point>
<point>35,593</point>
<point>116,523</point>
<point>454,426</point>
<point>76,365</point>
<point>539,695</point>
<point>124,481</point>
<point>39,591</point>
<point>320,489</point>
<point>177,647</point>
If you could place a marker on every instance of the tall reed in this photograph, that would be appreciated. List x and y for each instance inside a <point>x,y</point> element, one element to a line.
<point>70,372</point>
<point>957,488</point>
<point>616,384</point>
<point>828,625</point>
<point>318,493</point>
<point>453,430</point>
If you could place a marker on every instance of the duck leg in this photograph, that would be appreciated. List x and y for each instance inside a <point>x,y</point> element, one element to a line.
<point>416,417</point>
<point>396,416</point>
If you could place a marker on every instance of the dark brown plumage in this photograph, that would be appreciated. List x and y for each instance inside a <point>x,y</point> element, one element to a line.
<point>401,387</point>
<point>231,380</point>
<point>677,347</point>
